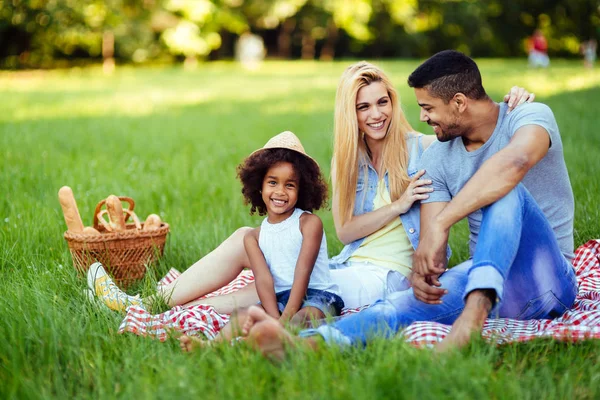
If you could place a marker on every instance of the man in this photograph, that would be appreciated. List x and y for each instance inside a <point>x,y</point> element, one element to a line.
<point>505,173</point>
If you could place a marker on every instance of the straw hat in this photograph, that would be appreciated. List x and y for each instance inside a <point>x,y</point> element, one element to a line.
<point>286,140</point>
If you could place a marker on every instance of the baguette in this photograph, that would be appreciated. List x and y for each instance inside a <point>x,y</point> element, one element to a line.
<point>115,213</point>
<point>88,230</point>
<point>152,222</point>
<point>70,211</point>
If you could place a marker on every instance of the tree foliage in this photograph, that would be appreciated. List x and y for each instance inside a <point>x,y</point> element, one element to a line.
<point>45,33</point>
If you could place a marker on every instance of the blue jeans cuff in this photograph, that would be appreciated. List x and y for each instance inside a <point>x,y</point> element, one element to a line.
<point>329,334</point>
<point>485,277</point>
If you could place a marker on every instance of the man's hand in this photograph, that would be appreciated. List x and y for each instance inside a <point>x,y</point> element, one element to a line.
<point>427,289</point>
<point>430,256</point>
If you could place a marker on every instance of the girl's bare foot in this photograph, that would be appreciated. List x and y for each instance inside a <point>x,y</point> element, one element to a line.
<point>267,335</point>
<point>191,343</point>
<point>249,322</point>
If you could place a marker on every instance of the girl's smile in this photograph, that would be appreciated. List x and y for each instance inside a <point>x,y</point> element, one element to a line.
<point>280,191</point>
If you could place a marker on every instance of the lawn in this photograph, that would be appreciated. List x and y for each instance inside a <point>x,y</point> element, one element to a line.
<point>172,139</point>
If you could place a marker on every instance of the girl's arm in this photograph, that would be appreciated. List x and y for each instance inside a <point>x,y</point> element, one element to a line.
<point>312,234</point>
<point>262,275</point>
<point>360,226</point>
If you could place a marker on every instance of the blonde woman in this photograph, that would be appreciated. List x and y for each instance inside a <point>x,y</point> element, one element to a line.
<point>375,179</point>
<point>375,187</point>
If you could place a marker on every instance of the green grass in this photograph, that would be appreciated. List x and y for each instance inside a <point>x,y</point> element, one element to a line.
<point>171,139</point>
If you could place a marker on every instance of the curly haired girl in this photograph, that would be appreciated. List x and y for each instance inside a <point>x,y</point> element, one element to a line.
<point>288,251</point>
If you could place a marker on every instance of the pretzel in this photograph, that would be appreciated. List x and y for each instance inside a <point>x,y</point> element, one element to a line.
<point>108,226</point>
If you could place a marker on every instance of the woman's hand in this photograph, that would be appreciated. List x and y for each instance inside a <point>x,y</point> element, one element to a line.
<point>416,190</point>
<point>518,96</point>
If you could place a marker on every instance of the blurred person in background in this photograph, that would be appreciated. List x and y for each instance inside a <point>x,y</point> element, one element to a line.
<point>250,50</point>
<point>538,50</point>
<point>588,50</point>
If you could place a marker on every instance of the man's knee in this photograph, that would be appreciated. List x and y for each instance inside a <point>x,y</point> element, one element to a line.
<point>511,202</point>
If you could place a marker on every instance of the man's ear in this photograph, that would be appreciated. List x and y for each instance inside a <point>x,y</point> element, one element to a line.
<point>460,102</point>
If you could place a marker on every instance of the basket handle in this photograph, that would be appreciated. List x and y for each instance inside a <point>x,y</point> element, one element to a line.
<point>100,218</point>
<point>102,202</point>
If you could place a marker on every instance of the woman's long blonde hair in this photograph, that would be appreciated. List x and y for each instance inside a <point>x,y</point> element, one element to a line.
<point>349,145</point>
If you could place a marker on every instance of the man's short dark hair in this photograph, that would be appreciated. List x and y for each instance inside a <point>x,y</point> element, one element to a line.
<point>446,73</point>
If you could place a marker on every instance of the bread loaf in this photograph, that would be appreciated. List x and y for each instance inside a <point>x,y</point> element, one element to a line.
<point>88,230</point>
<point>115,213</point>
<point>152,222</point>
<point>70,211</point>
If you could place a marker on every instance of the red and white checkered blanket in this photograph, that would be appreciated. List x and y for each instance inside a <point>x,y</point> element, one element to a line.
<point>579,323</point>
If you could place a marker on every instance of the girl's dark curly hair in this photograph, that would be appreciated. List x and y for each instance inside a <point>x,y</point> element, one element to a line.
<point>312,190</point>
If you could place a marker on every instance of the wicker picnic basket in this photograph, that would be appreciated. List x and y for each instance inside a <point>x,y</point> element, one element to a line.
<point>124,254</point>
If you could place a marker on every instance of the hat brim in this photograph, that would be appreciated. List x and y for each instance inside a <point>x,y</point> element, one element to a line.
<point>255,152</point>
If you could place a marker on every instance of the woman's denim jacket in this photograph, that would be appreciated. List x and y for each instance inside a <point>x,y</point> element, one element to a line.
<point>365,198</point>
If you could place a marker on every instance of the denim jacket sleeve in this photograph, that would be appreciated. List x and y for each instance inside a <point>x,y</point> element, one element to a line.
<point>365,197</point>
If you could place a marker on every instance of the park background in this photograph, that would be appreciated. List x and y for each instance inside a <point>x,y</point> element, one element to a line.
<point>52,33</point>
<point>170,133</point>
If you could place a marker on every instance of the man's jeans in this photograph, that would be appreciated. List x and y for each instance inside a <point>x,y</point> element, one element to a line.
<point>517,255</point>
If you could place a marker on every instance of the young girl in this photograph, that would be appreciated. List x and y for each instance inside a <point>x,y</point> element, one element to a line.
<point>288,251</point>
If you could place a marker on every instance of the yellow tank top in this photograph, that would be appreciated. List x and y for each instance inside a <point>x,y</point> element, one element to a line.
<point>389,247</point>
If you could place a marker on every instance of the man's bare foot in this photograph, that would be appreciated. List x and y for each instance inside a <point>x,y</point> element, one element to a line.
<point>469,323</point>
<point>267,335</point>
<point>191,343</point>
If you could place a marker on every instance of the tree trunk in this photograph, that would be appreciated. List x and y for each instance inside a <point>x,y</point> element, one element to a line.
<point>328,50</point>
<point>284,39</point>
<point>308,46</point>
<point>108,52</point>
